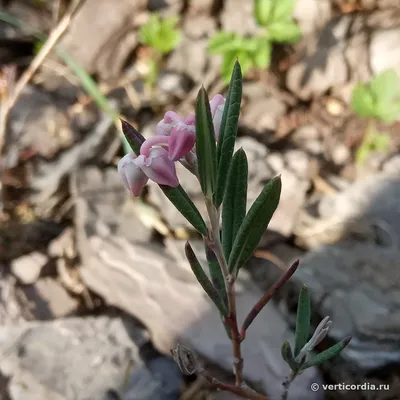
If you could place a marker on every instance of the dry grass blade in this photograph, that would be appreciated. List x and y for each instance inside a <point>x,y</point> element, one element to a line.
<point>33,67</point>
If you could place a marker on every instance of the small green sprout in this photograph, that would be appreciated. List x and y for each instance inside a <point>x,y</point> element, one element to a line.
<point>379,100</point>
<point>162,36</point>
<point>277,26</point>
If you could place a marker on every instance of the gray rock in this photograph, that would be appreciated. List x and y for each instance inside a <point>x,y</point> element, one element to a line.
<point>311,15</point>
<point>309,138</point>
<point>38,123</point>
<point>27,268</point>
<point>47,176</point>
<point>103,46</point>
<point>352,271</point>
<point>349,49</point>
<point>238,16</point>
<point>49,299</point>
<point>261,114</point>
<point>157,286</point>
<point>78,359</point>
<point>190,58</point>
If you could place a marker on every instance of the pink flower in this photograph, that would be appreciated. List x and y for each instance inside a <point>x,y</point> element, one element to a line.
<point>134,178</point>
<point>181,141</point>
<point>217,104</point>
<point>136,171</point>
<point>158,167</point>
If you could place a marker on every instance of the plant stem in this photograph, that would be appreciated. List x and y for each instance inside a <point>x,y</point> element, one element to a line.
<point>234,389</point>
<point>364,148</point>
<point>266,298</point>
<point>286,384</point>
<point>214,242</point>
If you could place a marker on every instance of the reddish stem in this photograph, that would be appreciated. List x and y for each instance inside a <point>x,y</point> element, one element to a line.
<point>247,394</point>
<point>266,298</point>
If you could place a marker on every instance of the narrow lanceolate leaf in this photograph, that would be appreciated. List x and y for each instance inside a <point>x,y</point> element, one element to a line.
<point>217,277</point>
<point>205,145</point>
<point>287,355</point>
<point>327,354</point>
<point>179,198</point>
<point>228,131</point>
<point>302,321</point>
<point>204,281</point>
<point>255,224</point>
<point>133,137</point>
<point>234,206</point>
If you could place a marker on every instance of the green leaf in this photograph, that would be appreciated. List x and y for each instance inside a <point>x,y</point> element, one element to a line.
<point>389,112</point>
<point>284,32</point>
<point>262,57</point>
<point>228,131</point>
<point>302,321</point>
<point>204,281</point>
<point>326,355</point>
<point>363,101</point>
<point>223,42</point>
<point>206,148</point>
<point>179,198</point>
<point>385,86</point>
<point>235,200</point>
<point>262,11</point>
<point>255,224</point>
<point>160,33</point>
<point>282,10</point>
<point>217,277</point>
<point>287,355</point>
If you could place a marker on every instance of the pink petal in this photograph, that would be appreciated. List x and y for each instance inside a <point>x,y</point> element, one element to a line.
<point>158,167</point>
<point>133,177</point>
<point>217,100</point>
<point>181,142</point>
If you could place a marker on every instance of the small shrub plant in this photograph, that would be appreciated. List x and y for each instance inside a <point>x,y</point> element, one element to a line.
<point>377,100</point>
<point>162,36</point>
<point>274,18</point>
<point>204,144</point>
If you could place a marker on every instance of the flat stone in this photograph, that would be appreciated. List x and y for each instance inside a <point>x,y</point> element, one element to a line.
<point>349,49</point>
<point>39,124</point>
<point>79,359</point>
<point>311,15</point>
<point>27,268</point>
<point>238,16</point>
<point>351,272</point>
<point>102,46</point>
<point>156,285</point>
<point>262,114</point>
<point>50,299</point>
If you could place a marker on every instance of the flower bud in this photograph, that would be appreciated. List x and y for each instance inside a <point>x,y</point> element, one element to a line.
<point>133,177</point>
<point>158,167</point>
<point>217,104</point>
<point>181,141</point>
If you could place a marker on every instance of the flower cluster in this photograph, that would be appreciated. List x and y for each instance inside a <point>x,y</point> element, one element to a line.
<point>175,140</point>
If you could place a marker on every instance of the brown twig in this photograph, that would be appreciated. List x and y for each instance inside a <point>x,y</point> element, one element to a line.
<point>33,67</point>
<point>266,298</point>
<point>247,394</point>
